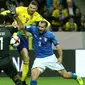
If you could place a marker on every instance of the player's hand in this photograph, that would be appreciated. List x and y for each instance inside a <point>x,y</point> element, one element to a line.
<point>11,7</point>
<point>59,60</point>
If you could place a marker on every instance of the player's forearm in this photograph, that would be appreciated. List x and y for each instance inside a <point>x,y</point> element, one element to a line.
<point>59,49</point>
<point>19,22</point>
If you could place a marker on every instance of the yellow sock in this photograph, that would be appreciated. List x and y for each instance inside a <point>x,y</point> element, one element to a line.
<point>25,70</point>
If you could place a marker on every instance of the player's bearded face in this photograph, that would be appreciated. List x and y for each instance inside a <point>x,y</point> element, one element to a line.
<point>41,28</point>
<point>32,8</point>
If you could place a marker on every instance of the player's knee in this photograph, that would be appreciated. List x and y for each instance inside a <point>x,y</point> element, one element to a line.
<point>26,58</point>
<point>35,73</point>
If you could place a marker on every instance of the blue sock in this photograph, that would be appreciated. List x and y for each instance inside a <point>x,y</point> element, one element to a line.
<point>74,76</point>
<point>33,82</point>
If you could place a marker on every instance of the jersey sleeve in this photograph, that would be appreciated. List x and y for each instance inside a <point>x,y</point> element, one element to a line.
<point>18,10</point>
<point>13,29</point>
<point>5,12</point>
<point>54,41</point>
<point>29,28</point>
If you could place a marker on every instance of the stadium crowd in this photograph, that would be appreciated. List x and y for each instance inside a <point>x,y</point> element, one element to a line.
<point>64,15</point>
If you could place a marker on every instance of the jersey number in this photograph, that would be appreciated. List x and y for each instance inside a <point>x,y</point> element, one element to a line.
<point>1,43</point>
<point>39,44</point>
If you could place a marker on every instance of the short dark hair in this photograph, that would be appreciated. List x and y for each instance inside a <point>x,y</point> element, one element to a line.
<point>43,21</point>
<point>34,2</point>
<point>2,19</point>
<point>9,19</point>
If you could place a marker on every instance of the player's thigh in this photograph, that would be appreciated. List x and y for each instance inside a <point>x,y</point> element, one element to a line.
<point>10,69</point>
<point>23,43</point>
<point>24,54</point>
<point>51,63</point>
<point>39,64</point>
<point>23,48</point>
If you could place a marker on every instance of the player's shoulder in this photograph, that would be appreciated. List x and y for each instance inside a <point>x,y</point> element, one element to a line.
<point>50,34</point>
<point>32,27</point>
<point>21,8</point>
<point>36,14</point>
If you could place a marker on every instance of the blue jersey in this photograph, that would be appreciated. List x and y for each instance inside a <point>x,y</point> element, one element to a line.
<point>42,44</point>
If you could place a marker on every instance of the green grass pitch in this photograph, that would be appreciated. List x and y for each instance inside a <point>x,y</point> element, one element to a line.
<point>43,81</point>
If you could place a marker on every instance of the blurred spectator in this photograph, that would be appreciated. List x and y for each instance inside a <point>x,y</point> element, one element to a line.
<point>82,19</point>
<point>41,5</point>
<point>70,25</point>
<point>21,4</point>
<point>71,8</point>
<point>82,28</point>
<point>64,3</point>
<point>49,3</point>
<point>45,13</point>
<point>77,17</point>
<point>60,14</point>
<point>55,2</point>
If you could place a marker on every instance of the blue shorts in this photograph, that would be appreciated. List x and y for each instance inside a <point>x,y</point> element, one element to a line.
<point>23,43</point>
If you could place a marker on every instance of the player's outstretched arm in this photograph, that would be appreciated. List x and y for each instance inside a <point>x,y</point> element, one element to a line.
<point>60,53</point>
<point>19,22</point>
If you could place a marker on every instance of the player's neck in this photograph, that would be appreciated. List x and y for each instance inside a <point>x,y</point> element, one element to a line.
<point>43,32</point>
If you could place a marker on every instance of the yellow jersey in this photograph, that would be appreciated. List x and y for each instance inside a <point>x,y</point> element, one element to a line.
<point>26,18</point>
<point>56,15</point>
<point>68,27</point>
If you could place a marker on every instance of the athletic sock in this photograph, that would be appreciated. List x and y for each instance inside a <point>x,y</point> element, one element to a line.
<point>33,82</point>
<point>25,70</point>
<point>74,76</point>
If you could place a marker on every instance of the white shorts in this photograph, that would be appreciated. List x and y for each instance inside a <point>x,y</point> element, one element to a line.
<point>47,62</point>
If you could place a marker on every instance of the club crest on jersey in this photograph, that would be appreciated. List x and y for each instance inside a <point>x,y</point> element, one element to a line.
<point>45,39</point>
<point>26,20</point>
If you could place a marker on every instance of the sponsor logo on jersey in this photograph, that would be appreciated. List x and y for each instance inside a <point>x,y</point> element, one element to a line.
<point>45,39</point>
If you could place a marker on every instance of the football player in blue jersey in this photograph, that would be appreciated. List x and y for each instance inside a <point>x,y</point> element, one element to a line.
<point>45,58</point>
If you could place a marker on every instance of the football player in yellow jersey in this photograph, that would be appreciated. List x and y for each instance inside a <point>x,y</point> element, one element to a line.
<point>28,16</point>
